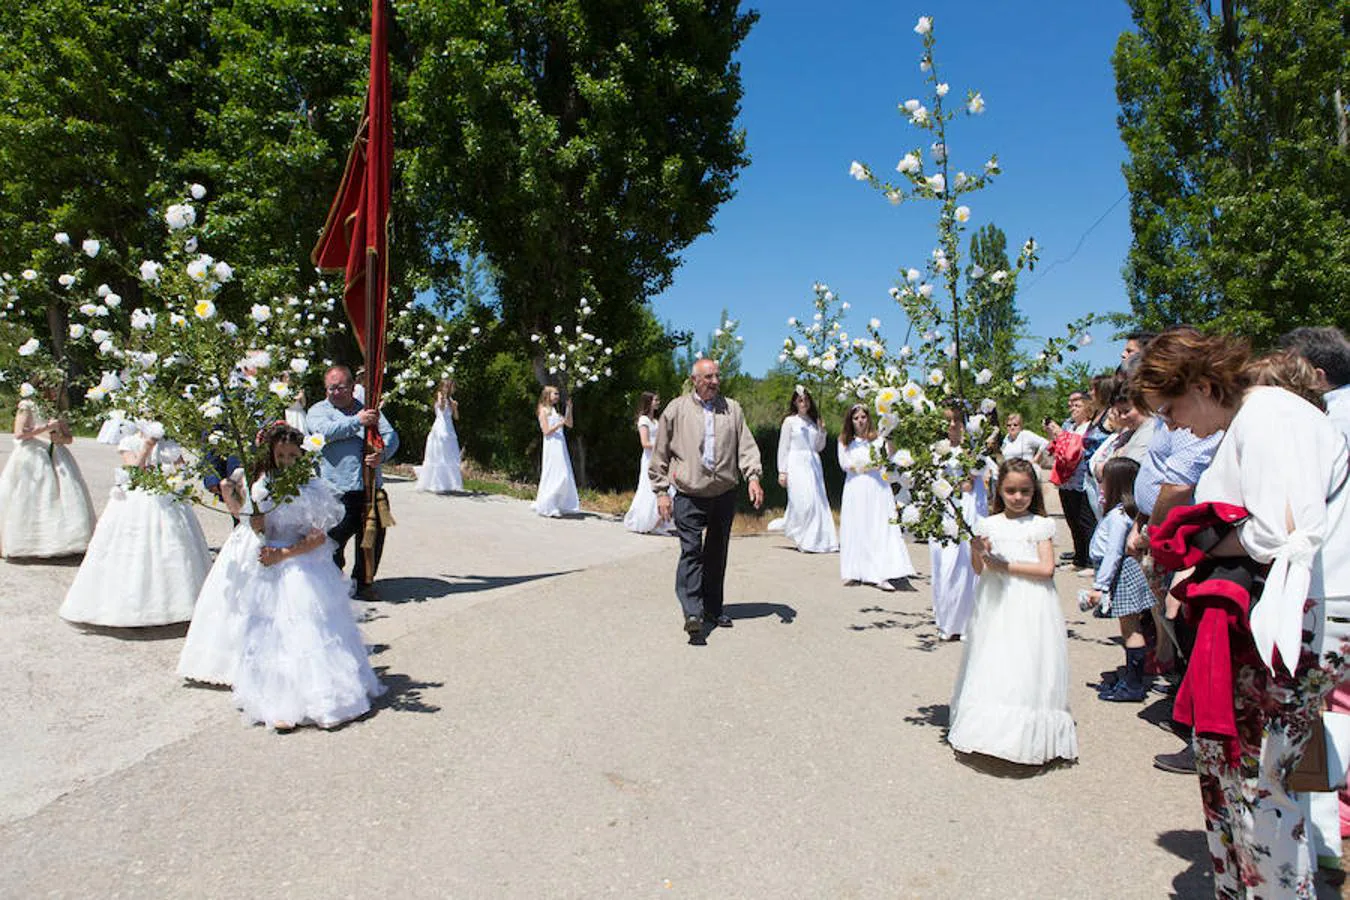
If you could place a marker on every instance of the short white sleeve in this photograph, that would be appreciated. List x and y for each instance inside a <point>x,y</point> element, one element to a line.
<point>1042,529</point>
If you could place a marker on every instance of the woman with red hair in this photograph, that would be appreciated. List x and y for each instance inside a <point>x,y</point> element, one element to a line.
<point>1283,462</point>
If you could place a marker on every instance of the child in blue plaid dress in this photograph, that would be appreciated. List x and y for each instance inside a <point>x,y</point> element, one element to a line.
<point>1120,586</point>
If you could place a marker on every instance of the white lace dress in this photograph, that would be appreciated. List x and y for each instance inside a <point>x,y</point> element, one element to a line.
<point>871,544</point>
<point>808,521</point>
<point>440,472</point>
<point>215,638</point>
<point>45,509</point>
<point>1012,691</point>
<point>147,559</point>
<point>302,659</point>
<point>557,486</point>
<point>643,516</point>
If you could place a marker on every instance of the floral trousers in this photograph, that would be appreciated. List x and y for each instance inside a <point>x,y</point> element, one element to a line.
<point>1256,828</point>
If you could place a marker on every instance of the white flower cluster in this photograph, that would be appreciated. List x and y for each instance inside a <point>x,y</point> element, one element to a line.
<point>578,356</point>
<point>432,349</point>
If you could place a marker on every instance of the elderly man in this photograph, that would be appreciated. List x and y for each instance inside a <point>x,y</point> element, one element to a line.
<point>702,446</point>
<point>343,420</point>
<point>1327,351</point>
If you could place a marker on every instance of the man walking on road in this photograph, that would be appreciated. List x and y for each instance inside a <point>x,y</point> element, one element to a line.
<point>702,448</point>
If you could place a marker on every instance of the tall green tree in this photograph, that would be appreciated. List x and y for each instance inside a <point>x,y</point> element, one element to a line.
<point>993,298</point>
<point>1233,115</point>
<point>578,145</point>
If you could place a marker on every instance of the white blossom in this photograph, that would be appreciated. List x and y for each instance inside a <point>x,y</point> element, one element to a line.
<point>28,275</point>
<point>924,26</point>
<point>987,405</point>
<point>976,105</point>
<point>65,280</point>
<point>260,312</point>
<point>912,106</point>
<point>180,216</point>
<point>963,214</point>
<point>910,515</point>
<point>27,390</point>
<point>29,347</point>
<point>942,89</point>
<point>223,272</point>
<point>976,272</point>
<point>62,238</point>
<point>113,300</point>
<point>926,291</point>
<point>299,366</point>
<point>936,377</point>
<point>1085,339</point>
<point>280,388</point>
<point>76,331</point>
<point>99,335</point>
<point>937,183</point>
<point>91,247</point>
<point>941,488</point>
<point>858,170</point>
<point>204,309</point>
<point>197,191</point>
<point>984,376</point>
<point>150,270</point>
<point>800,353</point>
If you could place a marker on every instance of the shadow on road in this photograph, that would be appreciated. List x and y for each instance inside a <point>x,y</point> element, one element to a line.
<point>738,611</point>
<point>152,633</point>
<point>1002,768</point>
<point>403,694</point>
<point>1198,879</point>
<point>420,590</point>
<point>934,715</point>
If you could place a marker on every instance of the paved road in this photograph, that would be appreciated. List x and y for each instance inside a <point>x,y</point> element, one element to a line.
<point>549,733</point>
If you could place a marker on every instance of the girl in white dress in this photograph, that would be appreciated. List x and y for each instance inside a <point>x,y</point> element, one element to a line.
<point>953,574</point>
<point>557,487</point>
<point>808,522</point>
<point>643,516</point>
<point>439,472</point>
<point>216,636</point>
<point>871,544</point>
<point>295,413</point>
<point>111,431</point>
<point>45,508</point>
<point>303,660</point>
<point>148,557</point>
<point>1012,691</point>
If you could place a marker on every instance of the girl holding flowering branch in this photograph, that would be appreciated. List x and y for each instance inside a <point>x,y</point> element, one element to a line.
<point>302,660</point>
<point>45,509</point>
<point>440,471</point>
<point>1012,692</point>
<point>808,522</point>
<point>953,573</point>
<point>871,545</point>
<point>148,557</point>
<point>557,493</point>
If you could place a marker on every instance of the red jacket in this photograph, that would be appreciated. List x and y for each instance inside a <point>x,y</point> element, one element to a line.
<point>1067,448</point>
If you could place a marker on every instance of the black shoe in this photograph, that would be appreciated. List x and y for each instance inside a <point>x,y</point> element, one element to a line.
<point>693,624</point>
<point>1124,693</point>
<point>1180,763</point>
<point>724,621</point>
<point>1067,554</point>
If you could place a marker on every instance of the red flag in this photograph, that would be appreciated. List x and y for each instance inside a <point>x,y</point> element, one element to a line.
<point>355,238</point>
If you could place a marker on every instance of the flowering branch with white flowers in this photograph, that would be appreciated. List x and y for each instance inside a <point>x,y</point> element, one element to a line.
<point>910,391</point>
<point>578,356</point>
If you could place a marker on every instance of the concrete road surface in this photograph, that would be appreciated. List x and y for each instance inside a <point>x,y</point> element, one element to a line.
<point>549,732</point>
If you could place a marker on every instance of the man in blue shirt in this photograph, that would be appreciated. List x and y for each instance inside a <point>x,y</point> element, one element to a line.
<point>343,420</point>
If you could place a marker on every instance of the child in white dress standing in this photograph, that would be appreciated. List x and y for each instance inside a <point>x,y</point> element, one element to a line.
<point>953,573</point>
<point>871,545</point>
<point>557,493</point>
<point>148,557</point>
<point>1012,692</point>
<point>808,522</point>
<point>45,508</point>
<point>643,516</point>
<point>440,471</point>
<point>303,660</point>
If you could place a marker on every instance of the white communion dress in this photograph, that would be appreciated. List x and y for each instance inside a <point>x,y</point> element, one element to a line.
<point>147,559</point>
<point>643,516</point>
<point>808,522</point>
<point>302,661</point>
<point>871,544</point>
<point>111,431</point>
<point>953,574</point>
<point>45,509</point>
<point>1012,691</point>
<point>557,487</point>
<point>440,471</point>
<point>296,418</point>
<point>215,638</point>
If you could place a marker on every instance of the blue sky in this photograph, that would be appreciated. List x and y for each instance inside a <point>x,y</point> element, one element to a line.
<point>822,81</point>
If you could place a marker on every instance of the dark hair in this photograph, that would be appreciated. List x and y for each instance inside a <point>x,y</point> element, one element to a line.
<point>1018,467</point>
<point>811,412</point>
<point>1118,485</point>
<point>1326,348</point>
<point>645,403</point>
<point>1142,338</point>
<point>847,434</point>
<point>1181,358</point>
<point>270,436</point>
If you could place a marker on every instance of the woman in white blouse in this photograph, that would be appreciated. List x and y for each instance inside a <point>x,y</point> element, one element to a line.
<point>808,522</point>
<point>1282,460</point>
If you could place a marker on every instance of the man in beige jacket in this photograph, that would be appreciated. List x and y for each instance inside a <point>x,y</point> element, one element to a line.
<point>702,448</point>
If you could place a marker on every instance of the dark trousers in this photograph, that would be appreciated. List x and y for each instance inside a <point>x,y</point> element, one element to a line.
<point>1081,520</point>
<point>704,527</point>
<point>353,521</point>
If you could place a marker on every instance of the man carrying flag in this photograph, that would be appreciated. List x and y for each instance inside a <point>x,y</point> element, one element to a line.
<point>355,240</point>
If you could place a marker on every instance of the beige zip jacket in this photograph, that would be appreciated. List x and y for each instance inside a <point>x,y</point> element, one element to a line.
<point>677,458</point>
